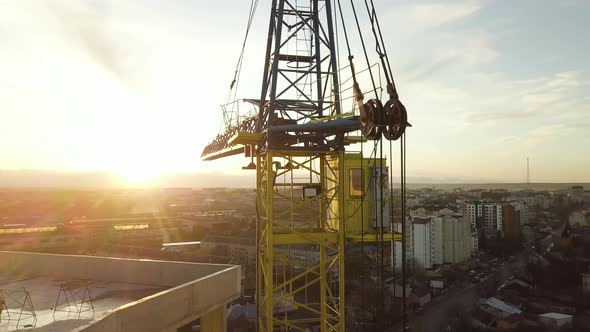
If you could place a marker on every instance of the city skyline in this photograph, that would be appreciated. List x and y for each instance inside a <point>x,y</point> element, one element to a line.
<point>133,88</point>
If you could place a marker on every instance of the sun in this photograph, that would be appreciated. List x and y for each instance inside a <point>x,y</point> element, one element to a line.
<point>137,176</point>
<point>139,171</point>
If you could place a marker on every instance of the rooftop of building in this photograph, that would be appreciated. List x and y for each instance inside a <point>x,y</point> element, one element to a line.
<point>55,293</point>
<point>514,318</point>
<point>47,293</point>
<point>421,220</point>
<point>555,315</point>
<point>501,305</point>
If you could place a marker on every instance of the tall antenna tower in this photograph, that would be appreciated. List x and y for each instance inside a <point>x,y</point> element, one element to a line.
<point>528,171</point>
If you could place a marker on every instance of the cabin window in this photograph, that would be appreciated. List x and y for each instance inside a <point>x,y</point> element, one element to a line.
<point>356,183</point>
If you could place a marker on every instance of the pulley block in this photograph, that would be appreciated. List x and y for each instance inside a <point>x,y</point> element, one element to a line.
<point>395,119</point>
<point>371,119</point>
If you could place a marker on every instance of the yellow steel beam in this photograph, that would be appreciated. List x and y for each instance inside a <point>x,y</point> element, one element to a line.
<point>333,117</point>
<point>269,247</point>
<point>354,139</point>
<point>246,138</point>
<point>308,225</point>
<point>231,151</point>
<point>341,323</point>
<point>305,238</point>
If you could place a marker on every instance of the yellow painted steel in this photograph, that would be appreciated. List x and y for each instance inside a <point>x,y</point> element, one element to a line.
<point>292,294</point>
<point>231,151</point>
<point>350,139</point>
<point>357,208</point>
<point>214,321</point>
<point>333,117</point>
<point>246,138</point>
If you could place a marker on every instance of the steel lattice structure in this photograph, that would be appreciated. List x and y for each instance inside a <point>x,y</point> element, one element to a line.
<point>285,99</point>
<point>298,139</point>
<point>285,221</point>
<point>298,89</point>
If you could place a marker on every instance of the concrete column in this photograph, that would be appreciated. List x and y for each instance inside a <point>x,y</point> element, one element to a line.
<point>214,321</point>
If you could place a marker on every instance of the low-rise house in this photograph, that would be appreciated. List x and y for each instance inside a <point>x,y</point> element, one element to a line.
<point>498,308</point>
<point>544,305</point>
<point>516,287</point>
<point>396,289</point>
<point>421,296</point>
<point>579,218</point>
<point>437,286</point>
<point>554,320</point>
<point>510,323</point>
<point>482,320</point>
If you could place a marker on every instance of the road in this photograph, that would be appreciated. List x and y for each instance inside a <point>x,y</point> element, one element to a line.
<point>441,310</point>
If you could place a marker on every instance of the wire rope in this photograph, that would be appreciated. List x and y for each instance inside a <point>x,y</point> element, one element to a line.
<point>363,239</point>
<point>364,47</point>
<point>380,48</point>
<point>233,89</point>
<point>381,225</point>
<point>404,221</point>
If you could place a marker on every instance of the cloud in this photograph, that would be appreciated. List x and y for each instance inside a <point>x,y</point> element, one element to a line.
<point>466,52</point>
<point>541,134</point>
<point>435,35</point>
<point>564,80</point>
<point>508,140</point>
<point>555,98</point>
<point>538,135</point>
<point>67,31</point>
<point>472,52</point>
<point>436,14</point>
<point>551,93</point>
<point>455,69</point>
<point>417,21</point>
<point>82,25</point>
<point>89,31</point>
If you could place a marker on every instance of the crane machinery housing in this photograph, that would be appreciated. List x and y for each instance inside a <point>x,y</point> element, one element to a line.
<point>313,194</point>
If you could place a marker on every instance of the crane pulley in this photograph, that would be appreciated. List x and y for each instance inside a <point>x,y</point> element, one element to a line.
<point>376,119</point>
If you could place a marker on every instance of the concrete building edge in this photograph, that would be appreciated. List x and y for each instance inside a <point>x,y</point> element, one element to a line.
<point>111,315</point>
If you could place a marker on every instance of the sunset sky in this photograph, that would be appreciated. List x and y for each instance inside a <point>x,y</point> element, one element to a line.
<point>134,87</point>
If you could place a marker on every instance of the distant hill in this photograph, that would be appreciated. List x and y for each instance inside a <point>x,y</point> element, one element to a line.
<point>104,180</point>
<point>499,185</point>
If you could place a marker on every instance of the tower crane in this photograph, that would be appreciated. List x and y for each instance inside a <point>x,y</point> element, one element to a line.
<point>312,194</point>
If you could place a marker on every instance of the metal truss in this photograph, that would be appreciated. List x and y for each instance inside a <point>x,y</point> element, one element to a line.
<point>298,140</point>
<point>294,194</point>
<point>295,294</point>
<point>74,297</point>
<point>16,307</point>
<point>222,144</point>
<point>300,81</point>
